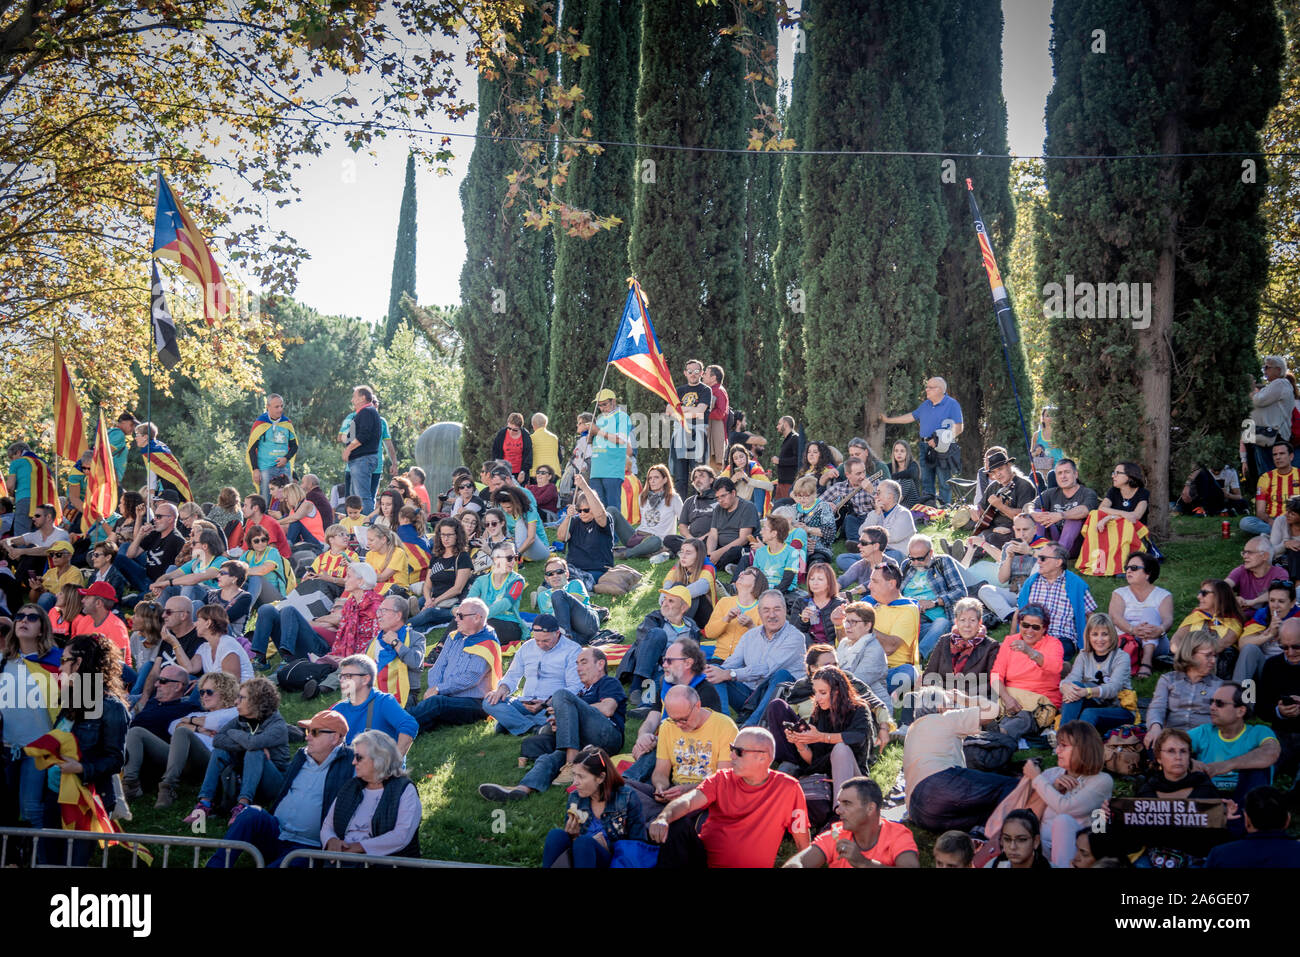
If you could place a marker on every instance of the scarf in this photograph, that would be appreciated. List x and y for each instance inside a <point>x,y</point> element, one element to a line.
<point>962,647</point>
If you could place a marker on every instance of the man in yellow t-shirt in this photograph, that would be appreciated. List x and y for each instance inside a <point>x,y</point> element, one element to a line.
<point>546,445</point>
<point>1275,486</point>
<point>694,741</point>
<point>898,625</point>
<point>61,572</point>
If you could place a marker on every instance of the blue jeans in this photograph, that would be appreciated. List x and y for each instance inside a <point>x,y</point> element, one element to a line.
<point>45,600</point>
<point>583,851</point>
<point>610,492</point>
<point>297,534</point>
<point>262,830</point>
<point>578,724</point>
<point>22,520</point>
<point>574,615</point>
<point>647,655</point>
<point>930,474</point>
<point>1255,526</point>
<point>141,676</point>
<point>1100,716</point>
<point>260,776</point>
<point>30,786</point>
<point>931,632</point>
<point>514,717</point>
<point>270,473</point>
<point>766,692</point>
<point>292,633</point>
<point>431,618</point>
<point>132,569</point>
<point>900,680</point>
<point>436,710</point>
<point>361,469</point>
<point>852,525</point>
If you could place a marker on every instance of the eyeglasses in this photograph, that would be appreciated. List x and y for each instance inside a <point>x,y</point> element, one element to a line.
<point>741,752</point>
<point>358,758</point>
<point>1289,647</point>
<point>584,511</point>
<point>1045,558</point>
<point>203,692</point>
<point>666,659</point>
<point>317,732</point>
<point>556,571</point>
<point>1220,703</point>
<point>853,621</point>
<point>1205,591</point>
<point>461,488</point>
<point>172,681</point>
<point>27,616</point>
<point>354,674</point>
<point>258,541</point>
<point>459,615</point>
<point>1026,626</point>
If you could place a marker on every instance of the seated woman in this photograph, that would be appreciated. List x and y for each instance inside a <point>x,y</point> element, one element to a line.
<point>601,811</point>
<point>387,504</point>
<point>65,611</point>
<point>660,506</point>
<point>347,630</point>
<point>256,742</point>
<point>1026,675</point>
<point>523,522</point>
<point>1021,842</point>
<point>780,563</point>
<point>813,517</point>
<point>385,556</point>
<point>1072,790</point>
<point>491,533</point>
<point>999,581</point>
<point>190,748</point>
<point>1285,538</point>
<point>859,653</point>
<point>1174,779</point>
<point>753,484</point>
<point>303,525</point>
<point>146,641</point>
<point>904,470</point>
<point>567,599</point>
<point>1142,610</point>
<point>268,573</point>
<point>192,579</point>
<point>836,739</point>
<point>545,492</point>
<point>450,571</point>
<point>225,514</point>
<point>230,595</point>
<point>815,614</point>
<point>734,615</point>
<point>500,589</point>
<point>1216,609</point>
<point>696,573</point>
<point>219,651</point>
<point>1101,670</point>
<point>961,660</point>
<point>1182,696</point>
<point>820,464</point>
<point>1116,530</point>
<point>377,812</point>
<point>466,497</point>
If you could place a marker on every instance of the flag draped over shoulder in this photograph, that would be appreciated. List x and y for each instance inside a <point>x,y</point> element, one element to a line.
<point>393,677</point>
<point>175,237</point>
<point>160,460</point>
<point>417,551</point>
<point>635,351</point>
<point>44,491</point>
<point>260,426</point>
<point>101,479</point>
<point>69,426</point>
<point>80,808</point>
<point>486,646</point>
<point>44,672</point>
<point>630,499</point>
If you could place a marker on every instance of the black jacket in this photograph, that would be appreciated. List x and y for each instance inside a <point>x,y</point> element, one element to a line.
<point>102,742</point>
<point>787,459</point>
<point>499,449</point>
<point>367,432</point>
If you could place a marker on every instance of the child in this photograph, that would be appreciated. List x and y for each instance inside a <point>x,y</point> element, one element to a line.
<point>355,519</point>
<point>954,849</point>
<point>331,567</point>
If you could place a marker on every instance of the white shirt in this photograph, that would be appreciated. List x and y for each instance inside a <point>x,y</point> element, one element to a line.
<point>35,539</point>
<point>226,646</point>
<point>212,721</point>
<point>1142,612</point>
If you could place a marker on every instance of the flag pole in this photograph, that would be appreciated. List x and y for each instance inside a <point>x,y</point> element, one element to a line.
<point>148,415</point>
<point>54,445</point>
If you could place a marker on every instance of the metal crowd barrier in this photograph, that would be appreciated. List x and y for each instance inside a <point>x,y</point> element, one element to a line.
<point>339,858</point>
<point>129,843</point>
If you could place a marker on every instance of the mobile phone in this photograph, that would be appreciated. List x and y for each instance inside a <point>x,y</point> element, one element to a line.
<point>798,726</point>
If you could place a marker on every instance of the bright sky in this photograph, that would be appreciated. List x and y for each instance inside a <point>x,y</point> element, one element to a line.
<point>348,217</point>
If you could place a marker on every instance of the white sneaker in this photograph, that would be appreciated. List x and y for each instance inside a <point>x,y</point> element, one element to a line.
<point>659,558</point>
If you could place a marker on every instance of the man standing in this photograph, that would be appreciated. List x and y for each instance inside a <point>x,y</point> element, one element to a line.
<point>546,445</point>
<point>272,444</point>
<point>1064,595</point>
<point>611,438</point>
<point>18,480</point>
<point>939,411</point>
<point>464,672</point>
<point>751,808</point>
<point>786,461</point>
<point>764,657</point>
<point>690,439</point>
<point>713,377</point>
<point>361,453</point>
<point>1275,487</point>
<point>1060,512</point>
<point>1271,412</point>
<point>546,663</point>
<point>730,526</point>
<point>860,838</point>
<point>119,442</point>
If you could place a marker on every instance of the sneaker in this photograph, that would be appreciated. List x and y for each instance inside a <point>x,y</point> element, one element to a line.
<point>131,788</point>
<point>495,792</point>
<point>310,689</point>
<point>166,797</point>
<point>954,548</point>
<point>260,663</point>
<point>658,558</point>
<point>238,809</point>
<point>565,777</point>
<point>200,812</point>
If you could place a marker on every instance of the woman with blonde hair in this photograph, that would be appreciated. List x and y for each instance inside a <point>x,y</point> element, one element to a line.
<point>1182,696</point>
<point>302,522</point>
<point>190,747</point>
<point>1100,673</point>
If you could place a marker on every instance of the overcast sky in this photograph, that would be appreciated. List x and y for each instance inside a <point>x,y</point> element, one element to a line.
<point>348,217</point>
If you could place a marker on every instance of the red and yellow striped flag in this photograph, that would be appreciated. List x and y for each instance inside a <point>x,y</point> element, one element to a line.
<point>69,426</point>
<point>101,480</point>
<point>44,489</point>
<point>1105,551</point>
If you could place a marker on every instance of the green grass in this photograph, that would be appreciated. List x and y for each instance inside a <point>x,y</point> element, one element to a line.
<point>449,764</point>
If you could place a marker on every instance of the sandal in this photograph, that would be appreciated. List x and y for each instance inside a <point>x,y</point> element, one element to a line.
<point>1144,671</point>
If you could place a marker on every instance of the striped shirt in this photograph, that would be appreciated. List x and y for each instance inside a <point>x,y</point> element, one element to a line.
<point>1275,487</point>
<point>330,565</point>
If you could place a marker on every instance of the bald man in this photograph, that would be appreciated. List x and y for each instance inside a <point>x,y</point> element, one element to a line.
<point>937,411</point>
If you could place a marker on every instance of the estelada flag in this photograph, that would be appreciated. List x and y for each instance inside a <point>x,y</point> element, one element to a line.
<point>1105,551</point>
<point>489,649</point>
<point>69,426</point>
<point>159,460</point>
<point>80,807</point>
<point>260,426</point>
<point>101,480</point>
<point>175,237</point>
<point>393,676</point>
<point>44,491</point>
<point>635,351</point>
<point>417,552</point>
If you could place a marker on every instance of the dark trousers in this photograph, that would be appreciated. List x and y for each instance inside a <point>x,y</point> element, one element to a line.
<point>582,851</point>
<point>262,830</point>
<point>437,710</point>
<point>683,847</point>
<point>957,799</point>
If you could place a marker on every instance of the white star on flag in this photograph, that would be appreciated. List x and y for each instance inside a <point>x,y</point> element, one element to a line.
<point>636,330</point>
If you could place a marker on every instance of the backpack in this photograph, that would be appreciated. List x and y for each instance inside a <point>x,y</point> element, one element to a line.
<point>1124,753</point>
<point>1130,644</point>
<point>989,751</point>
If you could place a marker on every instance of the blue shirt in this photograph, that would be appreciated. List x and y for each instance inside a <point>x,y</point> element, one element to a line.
<point>118,443</point>
<point>609,460</point>
<point>608,687</point>
<point>1209,746</point>
<point>273,444</point>
<point>21,469</point>
<point>389,717</point>
<point>457,673</point>
<point>546,605</point>
<point>544,672</point>
<point>930,416</point>
<point>299,812</point>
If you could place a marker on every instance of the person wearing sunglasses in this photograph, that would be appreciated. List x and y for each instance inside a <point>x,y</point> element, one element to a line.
<point>500,589</point>
<point>513,444</point>
<point>1238,757</point>
<point>545,492</point>
<point>751,809</point>
<point>179,738</point>
<point>378,811</point>
<point>1063,594</point>
<point>30,659</point>
<point>1279,695</point>
<point>1143,610</point>
<point>1026,675</point>
<point>463,496</point>
<point>1217,610</point>
<point>292,821</point>
<point>567,599</point>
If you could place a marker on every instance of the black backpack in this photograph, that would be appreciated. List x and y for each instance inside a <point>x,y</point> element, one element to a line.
<point>989,751</point>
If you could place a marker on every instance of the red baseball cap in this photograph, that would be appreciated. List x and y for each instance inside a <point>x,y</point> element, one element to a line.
<point>101,590</point>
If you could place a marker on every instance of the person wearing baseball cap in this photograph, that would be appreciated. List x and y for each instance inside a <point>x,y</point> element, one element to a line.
<point>545,663</point>
<point>97,604</point>
<point>61,572</point>
<point>611,443</point>
<point>312,781</point>
<point>643,662</point>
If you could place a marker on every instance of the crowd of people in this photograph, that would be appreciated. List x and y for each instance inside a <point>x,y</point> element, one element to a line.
<point>767,681</point>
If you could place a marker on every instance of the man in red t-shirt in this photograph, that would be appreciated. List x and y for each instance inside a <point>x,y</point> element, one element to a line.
<point>254,510</point>
<point>713,377</point>
<point>751,807</point>
<point>860,838</point>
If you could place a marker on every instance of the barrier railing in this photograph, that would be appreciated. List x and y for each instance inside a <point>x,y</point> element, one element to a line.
<point>339,858</point>
<point>129,843</point>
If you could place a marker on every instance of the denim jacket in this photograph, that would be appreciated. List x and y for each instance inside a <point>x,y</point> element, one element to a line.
<point>622,821</point>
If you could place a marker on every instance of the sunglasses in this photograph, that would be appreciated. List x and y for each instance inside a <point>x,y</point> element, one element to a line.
<point>1134,568</point>
<point>1026,626</point>
<point>176,681</point>
<point>509,558</point>
<point>1205,591</point>
<point>741,752</point>
<point>459,615</point>
<point>461,488</point>
<point>667,660</point>
<point>1217,703</point>
<point>584,511</point>
<point>204,692</point>
<point>492,524</point>
<point>1289,647</point>
<point>317,732</point>
<point>556,571</point>
<point>27,616</point>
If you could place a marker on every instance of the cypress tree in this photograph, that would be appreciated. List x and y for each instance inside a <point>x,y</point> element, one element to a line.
<point>688,222</point>
<point>403,256</point>
<point>591,274</point>
<point>871,225</point>
<point>789,296</point>
<point>505,310</point>
<point>968,347</point>
<point>1168,77</point>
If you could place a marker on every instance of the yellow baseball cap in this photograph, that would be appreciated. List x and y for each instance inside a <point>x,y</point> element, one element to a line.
<point>604,394</point>
<point>677,591</point>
